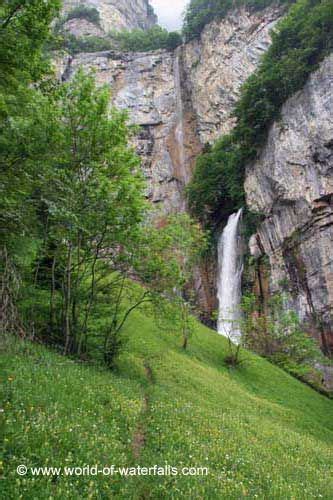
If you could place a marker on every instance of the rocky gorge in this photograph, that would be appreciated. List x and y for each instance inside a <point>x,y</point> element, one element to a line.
<point>184,99</point>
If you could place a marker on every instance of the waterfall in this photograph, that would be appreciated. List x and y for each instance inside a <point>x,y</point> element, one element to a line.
<point>230,268</point>
<point>179,131</point>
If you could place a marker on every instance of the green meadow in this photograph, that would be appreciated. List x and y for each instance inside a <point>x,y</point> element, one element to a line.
<point>260,433</point>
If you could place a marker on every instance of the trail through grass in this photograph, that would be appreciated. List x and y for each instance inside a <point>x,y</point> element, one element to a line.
<point>260,433</point>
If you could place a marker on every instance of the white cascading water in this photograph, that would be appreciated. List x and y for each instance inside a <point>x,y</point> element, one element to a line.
<point>230,269</point>
<point>179,132</point>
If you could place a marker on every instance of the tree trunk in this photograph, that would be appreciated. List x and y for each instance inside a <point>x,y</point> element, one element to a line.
<point>52,294</point>
<point>68,300</point>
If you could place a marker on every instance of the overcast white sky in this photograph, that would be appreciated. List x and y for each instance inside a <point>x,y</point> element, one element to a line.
<point>169,12</point>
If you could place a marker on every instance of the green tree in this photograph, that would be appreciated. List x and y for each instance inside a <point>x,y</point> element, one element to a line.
<point>171,251</point>
<point>92,233</point>
<point>89,203</point>
<point>83,12</point>
<point>162,261</point>
<point>24,29</point>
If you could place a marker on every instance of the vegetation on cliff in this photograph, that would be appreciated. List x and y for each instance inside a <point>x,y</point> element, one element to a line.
<point>76,45</point>
<point>64,39</point>
<point>82,12</point>
<point>301,41</point>
<point>145,40</point>
<point>135,40</point>
<point>201,12</point>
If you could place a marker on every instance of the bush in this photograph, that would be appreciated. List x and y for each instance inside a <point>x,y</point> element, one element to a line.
<point>278,336</point>
<point>155,38</point>
<point>233,358</point>
<point>301,42</point>
<point>174,40</point>
<point>82,12</point>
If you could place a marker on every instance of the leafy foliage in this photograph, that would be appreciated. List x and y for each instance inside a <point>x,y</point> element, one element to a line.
<point>145,40</point>
<point>24,29</point>
<point>64,40</point>
<point>75,45</point>
<point>87,217</point>
<point>303,38</point>
<point>137,40</point>
<point>278,336</point>
<point>83,12</point>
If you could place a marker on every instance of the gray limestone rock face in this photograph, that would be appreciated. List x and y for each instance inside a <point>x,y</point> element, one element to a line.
<point>149,87</point>
<point>219,63</point>
<point>216,66</point>
<point>116,14</point>
<point>291,184</point>
<point>83,28</point>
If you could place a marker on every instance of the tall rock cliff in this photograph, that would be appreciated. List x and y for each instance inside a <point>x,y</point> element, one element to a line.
<point>182,100</point>
<point>114,15</point>
<point>220,61</point>
<point>151,87</point>
<point>291,184</point>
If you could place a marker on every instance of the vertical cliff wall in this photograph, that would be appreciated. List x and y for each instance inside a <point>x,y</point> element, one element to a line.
<point>181,99</point>
<point>219,63</point>
<point>291,184</point>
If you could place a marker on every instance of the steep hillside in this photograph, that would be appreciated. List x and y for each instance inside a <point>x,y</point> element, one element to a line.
<point>261,433</point>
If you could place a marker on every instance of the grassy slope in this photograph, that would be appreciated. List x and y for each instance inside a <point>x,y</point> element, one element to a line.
<point>261,433</point>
